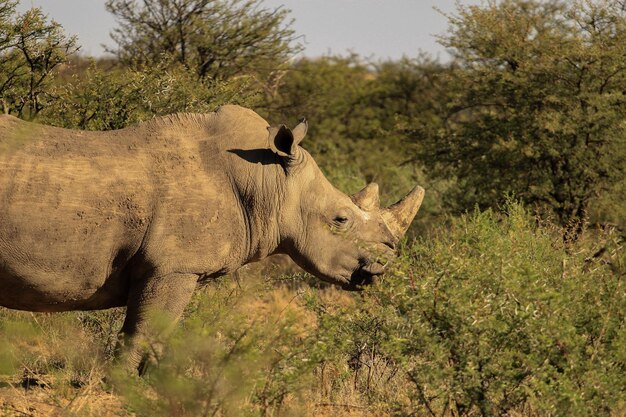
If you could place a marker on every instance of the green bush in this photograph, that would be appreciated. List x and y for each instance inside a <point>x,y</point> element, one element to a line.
<point>493,315</point>
<point>32,47</point>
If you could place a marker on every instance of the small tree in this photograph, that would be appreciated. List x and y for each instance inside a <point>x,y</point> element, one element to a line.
<point>539,104</point>
<point>31,47</point>
<point>218,39</point>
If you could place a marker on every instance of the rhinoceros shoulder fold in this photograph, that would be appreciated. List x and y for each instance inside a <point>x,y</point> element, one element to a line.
<point>240,119</point>
<point>233,110</point>
<point>228,117</point>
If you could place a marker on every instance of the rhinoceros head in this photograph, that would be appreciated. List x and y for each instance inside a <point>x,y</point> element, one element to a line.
<point>341,239</point>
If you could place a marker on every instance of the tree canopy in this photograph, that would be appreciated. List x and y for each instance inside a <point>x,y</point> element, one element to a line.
<point>538,104</point>
<point>31,47</point>
<point>218,39</point>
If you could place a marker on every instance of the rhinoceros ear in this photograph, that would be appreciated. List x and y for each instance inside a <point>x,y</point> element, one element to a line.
<point>284,141</point>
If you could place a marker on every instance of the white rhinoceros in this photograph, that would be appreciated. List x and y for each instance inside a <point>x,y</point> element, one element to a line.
<point>137,217</point>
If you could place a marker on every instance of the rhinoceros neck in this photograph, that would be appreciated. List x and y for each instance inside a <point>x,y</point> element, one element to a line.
<point>239,141</point>
<point>258,181</point>
<point>259,195</point>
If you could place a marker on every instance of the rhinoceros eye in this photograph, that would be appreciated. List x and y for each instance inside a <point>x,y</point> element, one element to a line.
<point>342,219</point>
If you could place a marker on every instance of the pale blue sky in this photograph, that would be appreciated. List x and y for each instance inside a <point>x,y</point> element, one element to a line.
<point>378,29</point>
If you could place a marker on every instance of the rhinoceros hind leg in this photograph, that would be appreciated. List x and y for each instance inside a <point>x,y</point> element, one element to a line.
<point>161,299</point>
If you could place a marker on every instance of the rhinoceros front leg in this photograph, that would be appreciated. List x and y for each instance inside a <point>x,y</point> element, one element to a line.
<point>163,297</point>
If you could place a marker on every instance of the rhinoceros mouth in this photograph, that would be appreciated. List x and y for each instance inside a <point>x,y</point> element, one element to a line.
<point>364,276</point>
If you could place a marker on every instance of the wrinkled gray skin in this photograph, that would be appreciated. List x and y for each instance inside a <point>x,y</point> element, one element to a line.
<point>137,217</point>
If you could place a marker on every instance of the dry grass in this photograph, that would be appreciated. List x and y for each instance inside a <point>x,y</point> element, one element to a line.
<point>59,365</point>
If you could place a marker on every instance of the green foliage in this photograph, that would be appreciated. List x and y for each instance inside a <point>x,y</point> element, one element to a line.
<point>216,39</point>
<point>537,105</point>
<point>30,48</point>
<point>496,314</point>
<point>86,100</point>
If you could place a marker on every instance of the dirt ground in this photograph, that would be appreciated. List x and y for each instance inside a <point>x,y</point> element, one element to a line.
<point>38,401</point>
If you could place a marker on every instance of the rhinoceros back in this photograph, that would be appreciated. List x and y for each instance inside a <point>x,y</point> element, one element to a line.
<point>81,213</point>
<point>72,205</point>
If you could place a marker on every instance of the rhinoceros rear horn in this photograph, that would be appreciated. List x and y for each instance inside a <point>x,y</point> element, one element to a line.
<point>399,216</point>
<point>367,199</point>
<point>300,130</point>
<point>285,141</point>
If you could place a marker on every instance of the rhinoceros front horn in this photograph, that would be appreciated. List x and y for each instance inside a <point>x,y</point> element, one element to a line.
<point>399,216</point>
